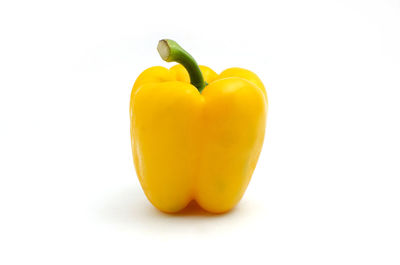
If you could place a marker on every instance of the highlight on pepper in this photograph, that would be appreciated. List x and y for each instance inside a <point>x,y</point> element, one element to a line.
<point>196,135</point>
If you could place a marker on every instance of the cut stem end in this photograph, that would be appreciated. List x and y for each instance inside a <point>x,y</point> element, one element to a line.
<point>163,50</point>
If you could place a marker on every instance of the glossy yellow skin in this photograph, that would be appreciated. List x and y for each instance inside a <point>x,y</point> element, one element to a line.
<point>191,146</point>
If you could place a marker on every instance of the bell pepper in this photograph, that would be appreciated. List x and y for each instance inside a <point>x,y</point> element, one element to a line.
<point>196,135</point>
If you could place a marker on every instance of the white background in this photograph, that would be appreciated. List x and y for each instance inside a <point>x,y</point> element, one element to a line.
<point>326,188</point>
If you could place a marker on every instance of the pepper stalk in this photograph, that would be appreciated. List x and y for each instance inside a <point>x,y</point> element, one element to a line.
<point>170,51</point>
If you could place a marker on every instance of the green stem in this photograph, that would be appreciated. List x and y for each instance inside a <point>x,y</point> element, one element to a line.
<point>170,51</point>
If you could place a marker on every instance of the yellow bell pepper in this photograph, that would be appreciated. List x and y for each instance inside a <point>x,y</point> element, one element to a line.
<point>196,135</point>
